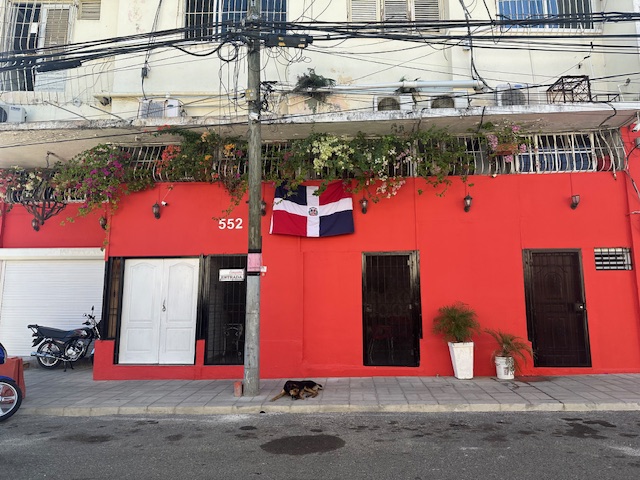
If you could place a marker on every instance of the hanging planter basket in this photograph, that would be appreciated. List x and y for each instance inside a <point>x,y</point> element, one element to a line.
<point>503,149</point>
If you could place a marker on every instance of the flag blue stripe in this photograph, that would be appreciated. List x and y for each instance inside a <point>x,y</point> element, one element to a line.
<point>339,223</point>
<point>299,196</point>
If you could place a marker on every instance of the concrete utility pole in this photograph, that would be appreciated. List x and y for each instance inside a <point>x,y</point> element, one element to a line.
<point>251,382</point>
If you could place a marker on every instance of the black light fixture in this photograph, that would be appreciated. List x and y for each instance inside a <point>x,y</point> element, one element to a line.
<point>42,208</point>
<point>156,210</point>
<point>263,208</point>
<point>467,202</point>
<point>364,203</point>
<point>575,200</point>
<point>103,222</point>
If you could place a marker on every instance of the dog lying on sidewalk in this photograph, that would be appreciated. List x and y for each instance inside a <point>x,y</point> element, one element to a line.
<point>299,389</point>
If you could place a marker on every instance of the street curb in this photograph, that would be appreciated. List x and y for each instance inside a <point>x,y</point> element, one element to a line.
<point>337,408</point>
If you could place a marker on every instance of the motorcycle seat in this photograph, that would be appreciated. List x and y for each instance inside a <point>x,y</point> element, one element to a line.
<point>54,332</point>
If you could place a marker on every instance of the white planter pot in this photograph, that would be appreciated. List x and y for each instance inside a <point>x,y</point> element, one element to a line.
<point>504,368</point>
<point>462,359</point>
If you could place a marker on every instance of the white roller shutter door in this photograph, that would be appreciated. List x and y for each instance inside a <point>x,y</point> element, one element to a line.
<point>53,293</point>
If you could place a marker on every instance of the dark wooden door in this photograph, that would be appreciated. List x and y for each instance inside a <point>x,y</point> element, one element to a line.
<point>556,309</point>
<point>391,309</point>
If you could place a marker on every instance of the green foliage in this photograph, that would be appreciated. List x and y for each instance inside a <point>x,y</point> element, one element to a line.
<point>378,165</point>
<point>206,157</point>
<point>503,139</point>
<point>456,322</point>
<point>312,81</point>
<point>18,183</point>
<point>192,160</point>
<point>100,174</point>
<point>512,346</point>
<point>440,155</point>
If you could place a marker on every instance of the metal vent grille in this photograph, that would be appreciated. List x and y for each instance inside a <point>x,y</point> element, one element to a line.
<point>89,10</point>
<point>612,258</point>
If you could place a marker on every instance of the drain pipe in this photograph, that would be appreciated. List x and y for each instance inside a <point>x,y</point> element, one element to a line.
<point>475,84</point>
<point>414,84</point>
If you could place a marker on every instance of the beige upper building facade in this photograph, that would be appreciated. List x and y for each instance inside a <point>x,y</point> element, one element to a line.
<point>77,73</point>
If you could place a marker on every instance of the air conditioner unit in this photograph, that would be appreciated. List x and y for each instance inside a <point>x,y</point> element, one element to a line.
<point>450,101</point>
<point>12,114</point>
<point>167,108</point>
<point>392,102</point>
<point>509,94</point>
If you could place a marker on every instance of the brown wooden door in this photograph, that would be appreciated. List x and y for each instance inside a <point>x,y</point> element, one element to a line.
<point>556,310</point>
<point>391,310</point>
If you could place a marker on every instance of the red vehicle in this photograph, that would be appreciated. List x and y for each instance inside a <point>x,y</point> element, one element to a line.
<point>10,393</point>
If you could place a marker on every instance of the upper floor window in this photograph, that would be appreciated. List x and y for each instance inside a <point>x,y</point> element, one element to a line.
<point>29,26</point>
<point>394,10</point>
<point>207,18</point>
<point>570,13</point>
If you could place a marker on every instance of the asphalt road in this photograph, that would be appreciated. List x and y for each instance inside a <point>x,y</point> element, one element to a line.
<point>600,445</point>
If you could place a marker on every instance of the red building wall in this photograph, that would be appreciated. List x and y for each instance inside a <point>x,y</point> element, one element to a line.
<point>311,309</point>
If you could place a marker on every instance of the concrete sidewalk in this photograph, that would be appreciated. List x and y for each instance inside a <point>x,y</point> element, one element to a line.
<point>75,393</point>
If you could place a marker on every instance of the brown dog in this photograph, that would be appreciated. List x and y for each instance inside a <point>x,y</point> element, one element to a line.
<point>299,389</point>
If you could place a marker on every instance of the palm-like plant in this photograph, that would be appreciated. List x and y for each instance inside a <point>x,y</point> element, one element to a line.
<point>510,346</point>
<point>456,323</point>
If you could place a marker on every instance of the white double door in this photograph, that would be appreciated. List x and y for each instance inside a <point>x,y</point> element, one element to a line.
<point>159,308</point>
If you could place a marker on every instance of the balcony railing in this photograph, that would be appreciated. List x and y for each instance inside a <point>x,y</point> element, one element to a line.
<point>546,153</point>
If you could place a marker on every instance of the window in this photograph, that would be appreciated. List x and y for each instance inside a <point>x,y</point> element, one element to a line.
<point>394,10</point>
<point>612,258</point>
<point>29,26</point>
<point>207,18</point>
<point>538,9</point>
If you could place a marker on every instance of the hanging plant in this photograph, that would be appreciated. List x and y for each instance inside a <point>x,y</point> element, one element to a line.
<point>308,83</point>
<point>440,155</point>
<point>230,171</point>
<point>101,174</point>
<point>191,160</point>
<point>503,139</point>
<point>380,163</point>
<point>328,156</point>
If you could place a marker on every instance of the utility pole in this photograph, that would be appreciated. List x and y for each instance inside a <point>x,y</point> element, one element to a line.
<point>251,382</point>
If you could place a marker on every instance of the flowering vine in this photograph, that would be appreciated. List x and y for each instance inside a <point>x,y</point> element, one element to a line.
<point>100,174</point>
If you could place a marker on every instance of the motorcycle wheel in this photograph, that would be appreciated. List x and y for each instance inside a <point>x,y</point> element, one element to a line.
<point>49,348</point>
<point>10,398</point>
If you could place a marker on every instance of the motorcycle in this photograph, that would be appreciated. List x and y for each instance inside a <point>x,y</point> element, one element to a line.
<point>64,346</point>
<point>10,392</point>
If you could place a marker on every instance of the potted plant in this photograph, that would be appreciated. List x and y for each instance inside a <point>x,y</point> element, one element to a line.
<point>457,323</point>
<point>511,349</point>
<point>309,83</point>
<point>504,140</point>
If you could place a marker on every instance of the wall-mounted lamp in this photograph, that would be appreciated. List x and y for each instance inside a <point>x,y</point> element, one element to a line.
<point>156,210</point>
<point>575,200</point>
<point>467,203</point>
<point>364,203</point>
<point>263,208</point>
<point>35,224</point>
<point>103,222</point>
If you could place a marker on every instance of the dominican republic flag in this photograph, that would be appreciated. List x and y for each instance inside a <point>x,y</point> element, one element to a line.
<point>304,214</point>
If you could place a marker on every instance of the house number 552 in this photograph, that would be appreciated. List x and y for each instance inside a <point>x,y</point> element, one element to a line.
<point>230,224</point>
